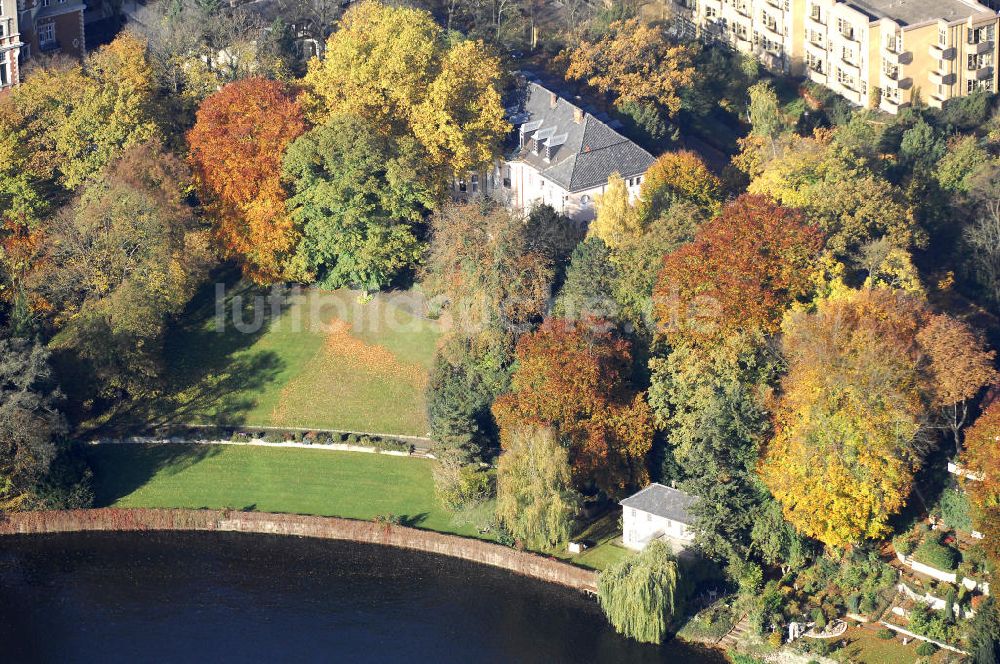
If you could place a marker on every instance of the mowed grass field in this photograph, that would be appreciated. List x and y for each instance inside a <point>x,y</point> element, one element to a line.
<point>353,485</point>
<point>313,358</point>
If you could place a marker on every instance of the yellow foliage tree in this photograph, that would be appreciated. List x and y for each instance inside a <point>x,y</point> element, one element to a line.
<point>845,447</point>
<point>836,189</point>
<point>617,222</point>
<point>679,175</point>
<point>392,67</point>
<point>636,63</point>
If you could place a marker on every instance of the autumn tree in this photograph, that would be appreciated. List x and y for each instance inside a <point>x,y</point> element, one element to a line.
<point>444,95</point>
<point>482,263</point>
<point>640,259</point>
<point>636,64</point>
<point>617,220</point>
<point>982,458</point>
<point>573,376</point>
<point>359,203</point>
<point>853,418</point>
<point>741,272</point>
<point>236,148</point>
<point>536,501</point>
<point>677,176</point>
<point>838,191</point>
<point>126,255</point>
<point>959,366</point>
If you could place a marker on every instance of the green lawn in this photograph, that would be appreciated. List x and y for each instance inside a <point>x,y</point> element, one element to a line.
<point>318,359</point>
<point>347,484</point>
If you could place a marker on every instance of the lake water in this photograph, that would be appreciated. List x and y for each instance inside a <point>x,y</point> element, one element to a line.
<point>216,597</point>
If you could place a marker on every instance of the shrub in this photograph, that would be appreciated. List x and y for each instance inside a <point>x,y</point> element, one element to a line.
<point>388,519</point>
<point>297,437</point>
<point>775,638</point>
<point>932,552</point>
<point>926,649</point>
<point>886,634</point>
<point>820,619</point>
<point>955,510</point>
<point>903,544</point>
<point>352,439</point>
<point>273,437</point>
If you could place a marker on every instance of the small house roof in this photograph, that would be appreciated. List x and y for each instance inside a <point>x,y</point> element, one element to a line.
<point>663,501</point>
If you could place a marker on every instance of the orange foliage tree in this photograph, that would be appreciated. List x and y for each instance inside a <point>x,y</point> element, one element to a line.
<point>982,457</point>
<point>573,376</point>
<point>236,147</point>
<point>741,272</point>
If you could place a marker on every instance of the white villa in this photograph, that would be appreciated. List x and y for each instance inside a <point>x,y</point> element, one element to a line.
<point>657,511</point>
<point>561,155</point>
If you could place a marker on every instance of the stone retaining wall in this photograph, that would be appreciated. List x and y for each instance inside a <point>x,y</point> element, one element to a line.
<point>130,520</point>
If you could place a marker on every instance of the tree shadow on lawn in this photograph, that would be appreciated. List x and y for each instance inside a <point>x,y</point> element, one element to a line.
<point>203,381</point>
<point>119,475</point>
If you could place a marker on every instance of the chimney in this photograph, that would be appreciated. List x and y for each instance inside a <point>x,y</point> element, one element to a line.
<point>577,115</point>
<point>553,99</point>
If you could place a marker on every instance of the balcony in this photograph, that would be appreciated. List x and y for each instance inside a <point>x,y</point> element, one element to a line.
<point>816,50</point>
<point>816,20</point>
<point>816,76</point>
<point>937,100</point>
<point>897,57</point>
<point>941,78</point>
<point>939,52</point>
<point>889,105</point>
<point>771,30</point>
<point>981,47</point>
<point>982,73</point>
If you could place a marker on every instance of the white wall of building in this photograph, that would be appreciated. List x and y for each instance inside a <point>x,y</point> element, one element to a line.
<point>639,528</point>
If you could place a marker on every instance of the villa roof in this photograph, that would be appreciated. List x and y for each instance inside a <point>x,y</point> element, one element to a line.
<point>577,150</point>
<point>663,501</point>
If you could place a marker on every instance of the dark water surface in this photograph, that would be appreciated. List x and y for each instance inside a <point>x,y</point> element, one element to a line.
<point>215,597</point>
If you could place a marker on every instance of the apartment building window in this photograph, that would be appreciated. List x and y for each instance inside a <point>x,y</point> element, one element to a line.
<point>847,54</point>
<point>891,70</point>
<point>891,93</point>
<point>981,34</point>
<point>4,69</point>
<point>814,63</point>
<point>894,43</point>
<point>942,37</point>
<point>46,33</point>
<point>845,28</point>
<point>815,13</point>
<point>980,61</point>
<point>45,3</point>
<point>710,12</point>
<point>985,85</point>
<point>814,37</point>
<point>845,79</point>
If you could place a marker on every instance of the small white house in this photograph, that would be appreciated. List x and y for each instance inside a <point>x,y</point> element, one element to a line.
<point>657,511</point>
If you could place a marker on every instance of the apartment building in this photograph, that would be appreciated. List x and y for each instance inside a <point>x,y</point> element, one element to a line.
<point>875,53</point>
<point>10,44</point>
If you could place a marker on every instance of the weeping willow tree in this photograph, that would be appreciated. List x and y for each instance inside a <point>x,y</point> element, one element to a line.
<point>535,496</point>
<point>639,594</point>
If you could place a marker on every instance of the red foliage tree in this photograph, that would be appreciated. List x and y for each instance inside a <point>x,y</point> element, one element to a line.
<point>741,272</point>
<point>573,376</point>
<point>237,145</point>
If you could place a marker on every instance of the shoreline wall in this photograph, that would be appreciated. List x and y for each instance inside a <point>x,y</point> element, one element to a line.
<point>138,520</point>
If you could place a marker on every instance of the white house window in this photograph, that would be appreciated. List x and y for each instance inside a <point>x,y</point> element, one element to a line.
<point>4,70</point>
<point>649,517</point>
<point>475,183</point>
<point>46,33</point>
<point>633,512</point>
<point>585,199</point>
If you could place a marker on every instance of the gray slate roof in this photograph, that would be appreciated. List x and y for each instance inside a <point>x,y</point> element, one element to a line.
<point>582,155</point>
<point>664,501</point>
